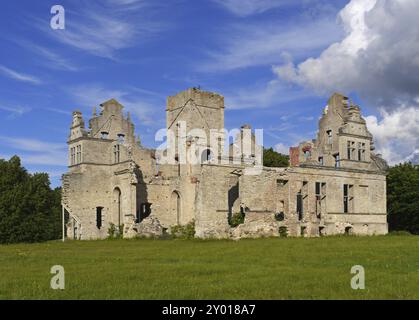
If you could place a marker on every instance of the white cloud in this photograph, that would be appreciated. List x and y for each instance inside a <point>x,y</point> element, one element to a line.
<point>12,74</point>
<point>268,43</point>
<point>267,95</point>
<point>133,100</point>
<point>15,111</point>
<point>37,152</point>
<point>249,7</point>
<point>378,59</point>
<point>282,148</point>
<point>396,135</point>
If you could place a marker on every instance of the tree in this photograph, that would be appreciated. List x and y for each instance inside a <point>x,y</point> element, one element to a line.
<point>272,158</point>
<point>403,198</point>
<point>29,208</point>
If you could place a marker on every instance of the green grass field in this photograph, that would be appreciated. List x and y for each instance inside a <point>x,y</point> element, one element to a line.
<point>292,268</point>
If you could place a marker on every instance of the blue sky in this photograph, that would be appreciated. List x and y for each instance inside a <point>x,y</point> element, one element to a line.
<point>261,55</point>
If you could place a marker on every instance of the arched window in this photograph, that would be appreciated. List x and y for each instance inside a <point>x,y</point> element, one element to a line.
<point>176,206</point>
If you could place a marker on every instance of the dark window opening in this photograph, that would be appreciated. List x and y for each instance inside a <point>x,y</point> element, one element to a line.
<point>300,205</point>
<point>321,161</point>
<point>347,198</point>
<point>281,183</point>
<point>99,217</point>
<point>329,136</point>
<point>348,230</point>
<point>206,156</point>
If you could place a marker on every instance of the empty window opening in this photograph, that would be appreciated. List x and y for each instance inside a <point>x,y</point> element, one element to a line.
<point>337,160</point>
<point>349,230</point>
<point>145,211</point>
<point>73,156</point>
<point>78,154</point>
<point>300,206</point>
<point>104,135</point>
<point>329,136</point>
<point>321,161</point>
<point>206,156</point>
<point>99,217</point>
<point>121,138</point>
<point>322,231</point>
<point>351,150</point>
<point>117,153</point>
<point>320,192</point>
<point>361,151</point>
<point>348,198</point>
<point>281,183</point>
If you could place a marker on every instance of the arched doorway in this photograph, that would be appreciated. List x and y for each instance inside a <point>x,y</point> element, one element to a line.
<point>176,206</point>
<point>117,206</point>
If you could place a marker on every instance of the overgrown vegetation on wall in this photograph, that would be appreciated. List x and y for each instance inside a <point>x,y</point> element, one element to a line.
<point>29,208</point>
<point>271,158</point>
<point>403,198</point>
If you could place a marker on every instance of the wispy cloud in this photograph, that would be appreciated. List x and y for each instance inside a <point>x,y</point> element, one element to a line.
<point>50,58</point>
<point>12,74</point>
<point>15,111</point>
<point>103,30</point>
<point>244,8</point>
<point>36,152</point>
<point>271,94</point>
<point>249,45</point>
<point>134,101</point>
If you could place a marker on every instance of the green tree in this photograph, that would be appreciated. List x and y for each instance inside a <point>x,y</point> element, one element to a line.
<point>29,209</point>
<point>403,198</point>
<point>271,158</point>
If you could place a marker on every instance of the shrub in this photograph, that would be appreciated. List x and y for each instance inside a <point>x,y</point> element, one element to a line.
<point>236,219</point>
<point>184,232</point>
<point>115,232</point>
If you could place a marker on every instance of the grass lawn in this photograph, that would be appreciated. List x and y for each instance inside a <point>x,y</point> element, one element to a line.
<point>291,268</point>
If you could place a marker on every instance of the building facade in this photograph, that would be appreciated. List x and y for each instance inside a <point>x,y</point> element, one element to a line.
<point>335,184</point>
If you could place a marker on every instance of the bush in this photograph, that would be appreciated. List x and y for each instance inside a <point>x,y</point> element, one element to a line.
<point>115,232</point>
<point>183,232</point>
<point>236,219</point>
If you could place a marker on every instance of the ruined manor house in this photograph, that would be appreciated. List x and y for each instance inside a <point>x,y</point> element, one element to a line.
<point>334,184</point>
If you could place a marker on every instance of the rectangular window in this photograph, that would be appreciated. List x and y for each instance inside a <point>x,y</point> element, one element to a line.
<point>321,161</point>
<point>320,192</point>
<point>361,151</point>
<point>116,153</point>
<point>99,217</point>
<point>300,206</point>
<point>78,154</point>
<point>337,160</point>
<point>348,198</point>
<point>351,151</point>
<point>72,156</point>
<point>329,136</point>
